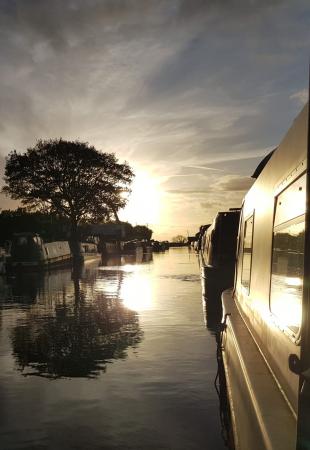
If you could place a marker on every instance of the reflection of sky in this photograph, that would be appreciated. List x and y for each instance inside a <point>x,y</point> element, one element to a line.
<point>130,282</point>
<point>107,285</point>
<point>286,300</point>
<point>292,203</point>
<point>136,292</point>
<point>246,268</point>
<point>160,396</point>
<point>73,328</point>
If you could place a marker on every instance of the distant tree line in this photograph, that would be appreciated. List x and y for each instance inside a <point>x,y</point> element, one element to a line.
<point>50,226</point>
<point>179,239</point>
<point>139,232</point>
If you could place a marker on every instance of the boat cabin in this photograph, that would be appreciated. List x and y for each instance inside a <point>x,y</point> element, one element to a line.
<point>29,250</point>
<point>265,342</point>
<point>218,252</point>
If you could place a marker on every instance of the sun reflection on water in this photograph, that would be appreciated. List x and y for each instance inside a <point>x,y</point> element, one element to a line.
<point>132,286</point>
<point>136,292</point>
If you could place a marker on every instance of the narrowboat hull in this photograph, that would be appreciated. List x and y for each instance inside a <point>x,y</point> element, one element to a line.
<point>215,280</point>
<point>62,261</point>
<point>265,334</point>
<point>263,418</point>
<point>111,248</point>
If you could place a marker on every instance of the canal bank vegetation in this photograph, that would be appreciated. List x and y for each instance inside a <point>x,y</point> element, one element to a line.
<point>53,227</point>
<point>71,179</point>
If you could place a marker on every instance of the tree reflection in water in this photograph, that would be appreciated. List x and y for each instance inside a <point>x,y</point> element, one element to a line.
<point>78,337</point>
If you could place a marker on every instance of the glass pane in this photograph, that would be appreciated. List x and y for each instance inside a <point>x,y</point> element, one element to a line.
<point>287,273</point>
<point>292,202</point>
<point>247,253</point>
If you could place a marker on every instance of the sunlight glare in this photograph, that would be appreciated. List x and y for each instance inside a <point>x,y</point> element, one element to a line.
<point>136,292</point>
<point>144,201</point>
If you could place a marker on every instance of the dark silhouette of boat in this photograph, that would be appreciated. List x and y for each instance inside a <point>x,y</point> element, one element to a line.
<point>218,253</point>
<point>29,251</point>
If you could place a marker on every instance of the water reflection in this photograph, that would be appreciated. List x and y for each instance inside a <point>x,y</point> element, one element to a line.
<point>287,273</point>
<point>72,329</point>
<point>136,292</point>
<point>121,260</point>
<point>212,306</point>
<point>35,287</point>
<point>133,288</point>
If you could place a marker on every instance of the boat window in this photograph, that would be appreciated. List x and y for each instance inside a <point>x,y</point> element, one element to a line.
<point>291,203</point>
<point>288,255</point>
<point>247,253</point>
<point>287,273</point>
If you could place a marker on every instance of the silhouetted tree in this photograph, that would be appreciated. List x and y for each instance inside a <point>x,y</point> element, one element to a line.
<point>70,178</point>
<point>179,239</point>
<point>142,232</point>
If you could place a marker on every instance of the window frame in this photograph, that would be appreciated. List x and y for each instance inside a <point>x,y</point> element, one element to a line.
<point>247,289</point>
<point>294,336</point>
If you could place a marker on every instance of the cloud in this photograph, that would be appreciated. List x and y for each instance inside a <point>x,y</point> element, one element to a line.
<point>184,192</point>
<point>205,168</point>
<point>301,96</point>
<point>191,90</point>
<point>234,183</point>
<point>189,8</point>
<point>209,205</point>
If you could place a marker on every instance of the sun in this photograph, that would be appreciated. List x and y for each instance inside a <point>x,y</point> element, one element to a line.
<point>143,205</point>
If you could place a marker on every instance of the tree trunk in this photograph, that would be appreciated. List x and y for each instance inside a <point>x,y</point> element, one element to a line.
<point>115,215</point>
<point>74,241</point>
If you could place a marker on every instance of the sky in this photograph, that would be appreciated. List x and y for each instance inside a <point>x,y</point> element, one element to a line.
<point>191,93</point>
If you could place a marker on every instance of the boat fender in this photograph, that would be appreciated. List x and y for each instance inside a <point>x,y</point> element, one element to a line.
<point>294,364</point>
<point>222,328</point>
<point>223,324</point>
<point>296,367</point>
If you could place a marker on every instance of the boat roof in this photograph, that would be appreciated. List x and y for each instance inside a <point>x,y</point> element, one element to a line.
<point>262,164</point>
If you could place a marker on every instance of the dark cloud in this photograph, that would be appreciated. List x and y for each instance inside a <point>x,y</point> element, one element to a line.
<point>188,8</point>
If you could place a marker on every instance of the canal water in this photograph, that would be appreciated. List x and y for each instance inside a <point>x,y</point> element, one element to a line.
<point>116,356</point>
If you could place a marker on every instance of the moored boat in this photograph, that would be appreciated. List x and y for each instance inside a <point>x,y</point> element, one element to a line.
<point>89,252</point>
<point>199,236</point>
<point>134,248</point>
<point>218,252</point>
<point>29,251</point>
<point>108,248</point>
<point>265,339</point>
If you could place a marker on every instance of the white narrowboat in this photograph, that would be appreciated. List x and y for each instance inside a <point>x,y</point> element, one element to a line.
<point>29,251</point>
<point>265,338</point>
